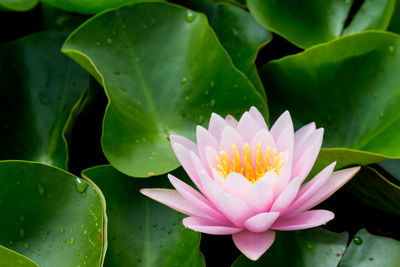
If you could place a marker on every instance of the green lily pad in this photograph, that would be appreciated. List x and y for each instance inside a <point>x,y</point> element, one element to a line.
<point>351,88</point>
<point>45,85</point>
<point>52,217</point>
<point>143,232</point>
<point>168,74</point>
<point>9,258</point>
<point>313,247</point>
<point>369,250</point>
<point>375,190</point>
<point>238,33</point>
<point>90,6</point>
<point>307,23</point>
<point>17,5</point>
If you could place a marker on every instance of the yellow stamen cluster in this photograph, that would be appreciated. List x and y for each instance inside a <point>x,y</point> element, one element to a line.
<point>243,164</point>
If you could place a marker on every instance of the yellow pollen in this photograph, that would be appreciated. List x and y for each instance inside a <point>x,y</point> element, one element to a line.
<point>270,161</point>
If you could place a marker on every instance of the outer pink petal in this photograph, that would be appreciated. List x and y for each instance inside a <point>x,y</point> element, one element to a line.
<point>287,196</point>
<point>203,225</point>
<point>183,155</point>
<point>229,137</point>
<point>231,121</point>
<point>205,139</point>
<point>261,222</point>
<point>174,200</point>
<point>236,184</point>
<point>303,220</point>
<point>312,187</point>
<point>247,127</point>
<point>188,144</point>
<point>196,199</point>
<point>302,134</point>
<point>216,126</point>
<point>283,133</point>
<point>337,180</point>
<point>253,245</point>
<point>258,117</point>
<point>259,196</point>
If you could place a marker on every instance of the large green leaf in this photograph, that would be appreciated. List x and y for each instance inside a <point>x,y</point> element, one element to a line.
<point>375,190</point>
<point>370,251</point>
<point>9,258</point>
<point>90,6</point>
<point>238,33</point>
<point>51,216</point>
<point>307,23</point>
<point>17,5</point>
<point>141,231</point>
<point>38,87</point>
<point>314,247</point>
<point>351,87</point>
<point>168,73</point>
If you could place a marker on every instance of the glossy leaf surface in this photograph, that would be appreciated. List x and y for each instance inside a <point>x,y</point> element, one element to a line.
<point>312,247</point>
<point>45,85</point>
<point>9,258</point>
<point>53,217</point>
<point>350,87</point>
<point>369,250</point>
<point>171,74</point>
<point>143,232</point>
<point>307,23</point>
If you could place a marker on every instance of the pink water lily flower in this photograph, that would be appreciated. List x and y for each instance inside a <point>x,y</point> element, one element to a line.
<point>250,180</point>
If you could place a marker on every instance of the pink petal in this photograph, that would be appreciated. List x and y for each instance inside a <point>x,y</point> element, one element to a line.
<point>231,121</point>
<point>283,133</point>
<point>337,180</point>
<point>247,127</point>
<point>205,139</point>
<point>303,220</point>
<point>258,118</point>
<point>287,196</point>
<point>209,227</point>
<point>183,155</point>
<point>253,245</point>
<point>260,195</point>
<point>285,176</point>
<point>210,188</point>
<point>174,200</point>
<point>230,137</point>
<point>310,188</point>
<point>216,126</point>
<point>188,144</point>
<point>236,184</point>
<point>265,139</point>
<point>211,155</point>
<point>234,208</point>
<point>195,198</point>
<point>302,134</point>
<point>261,222</point>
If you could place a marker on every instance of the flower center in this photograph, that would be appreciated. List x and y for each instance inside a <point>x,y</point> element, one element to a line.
<point>270,161</point>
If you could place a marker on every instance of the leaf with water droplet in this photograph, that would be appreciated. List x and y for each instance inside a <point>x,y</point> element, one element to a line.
<point>80,185</point>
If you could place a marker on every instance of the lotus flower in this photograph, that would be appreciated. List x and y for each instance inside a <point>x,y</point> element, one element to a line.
<point>250,180</point>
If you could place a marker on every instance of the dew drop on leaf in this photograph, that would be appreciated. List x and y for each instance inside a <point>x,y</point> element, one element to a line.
<point>357,240</point>
<point>80,185</point>
<point>40,189</point>
<point>109,41</point>
<point>392,49</point>
<point>190,16</point>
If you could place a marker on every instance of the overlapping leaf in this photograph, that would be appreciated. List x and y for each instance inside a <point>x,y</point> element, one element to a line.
<point>9,258</point>
<point>164,72</point>
<point>17,5</point>
<point>38,88</point>
<point>51,216</point>
<point>143,232</point>
<point>351,88</point>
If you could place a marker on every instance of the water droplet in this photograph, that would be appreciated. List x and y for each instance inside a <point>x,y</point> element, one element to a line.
<point>137,59</point>
<point>150,158</point>
<point>212,83</point>
<point>44,238</point>
<point>109,41</point>
<point>357,240</point>
<point>85,232</point>
<point>22,233</point>
<point>235,85</point>
<point>72,241</point>
<point>139,102</point>
<point>97,44</point>
<point>309,246</point>
<point>200,119</point>
<point>138,259</point>
<point>62,230</point>
<point>190,16</point>
<point>155,225</point>
<point>26,245</point>
<point>347,2</point>
<point>392,49</point>
<point>381,115</point>
<point>83,195</point>
<point>184,80</point>
<point>40,189</point>
<point>187,98</point>
<point>169,232</point>
<point>212,102</point>
<point>161,245</point>
<point>82,225</point>
<point>60,247</point>
<point>375,96</point>
<point>206,92</point>
<point>123,89</point>
<point>371,259</point>
<point>137,141</point>
<point>80,185</point>
<point>117,72</point>
<point>38,249</point>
